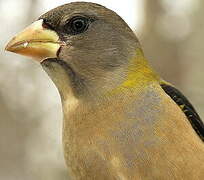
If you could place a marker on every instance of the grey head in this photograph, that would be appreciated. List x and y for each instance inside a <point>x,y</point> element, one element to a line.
<point>83,46</point>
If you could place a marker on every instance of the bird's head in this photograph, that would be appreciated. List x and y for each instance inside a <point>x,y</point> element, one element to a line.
<point>84,47</point>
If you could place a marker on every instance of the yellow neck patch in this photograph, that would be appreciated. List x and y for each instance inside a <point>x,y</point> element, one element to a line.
<point>139,74</point>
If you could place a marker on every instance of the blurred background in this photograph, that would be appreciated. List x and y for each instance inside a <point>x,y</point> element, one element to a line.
<point>172,36</point>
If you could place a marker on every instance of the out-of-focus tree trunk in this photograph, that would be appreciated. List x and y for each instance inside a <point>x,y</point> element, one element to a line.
<point>193,57</point>
<point>179,61</point>
<point>32,10</point>
<point>15,129</point>
<point>162,54</point>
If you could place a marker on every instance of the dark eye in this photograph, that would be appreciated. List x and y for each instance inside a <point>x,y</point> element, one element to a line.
<point>77,25</point>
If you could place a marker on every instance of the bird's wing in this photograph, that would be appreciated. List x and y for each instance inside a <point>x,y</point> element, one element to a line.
<point>186,107</point>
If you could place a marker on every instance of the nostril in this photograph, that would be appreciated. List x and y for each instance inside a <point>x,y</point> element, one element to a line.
<point>47,25</point>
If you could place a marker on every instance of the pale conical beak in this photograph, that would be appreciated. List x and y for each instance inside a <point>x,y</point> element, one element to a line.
<point>36,42</point>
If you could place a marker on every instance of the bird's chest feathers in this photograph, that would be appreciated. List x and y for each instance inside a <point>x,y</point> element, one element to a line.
<point>100,135</point>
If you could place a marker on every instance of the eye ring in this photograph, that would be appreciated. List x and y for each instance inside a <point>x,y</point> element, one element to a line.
<point>77,25</point>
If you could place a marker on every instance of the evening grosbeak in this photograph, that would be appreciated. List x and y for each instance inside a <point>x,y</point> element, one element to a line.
<point>121,120</point>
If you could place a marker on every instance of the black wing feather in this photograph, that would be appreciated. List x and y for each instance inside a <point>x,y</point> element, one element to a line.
<point>187,108</point>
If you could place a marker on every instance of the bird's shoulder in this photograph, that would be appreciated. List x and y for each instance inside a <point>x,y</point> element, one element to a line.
<point>186,107</point>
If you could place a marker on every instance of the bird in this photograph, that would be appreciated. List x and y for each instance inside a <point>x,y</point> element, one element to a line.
<point>121,120</point>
